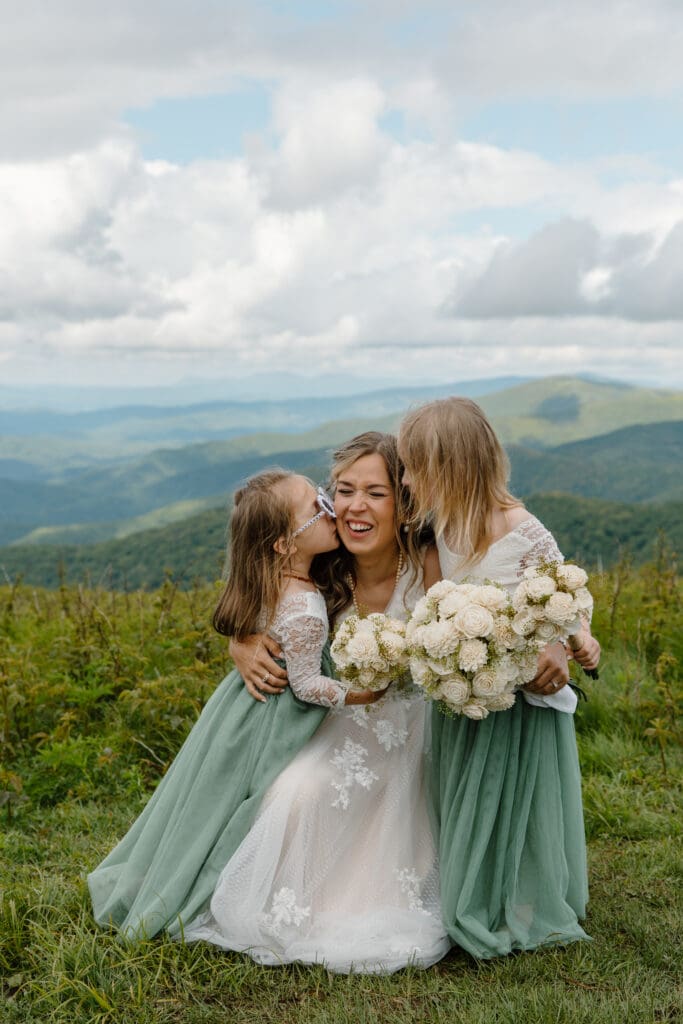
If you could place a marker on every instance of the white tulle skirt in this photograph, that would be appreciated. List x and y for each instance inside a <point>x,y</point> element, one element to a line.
<point>340,866</point>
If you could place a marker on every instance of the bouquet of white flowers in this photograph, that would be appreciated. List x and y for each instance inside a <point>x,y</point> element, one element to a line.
<point>550,602</point>
<point>370,652</point>
<point>464,651</point>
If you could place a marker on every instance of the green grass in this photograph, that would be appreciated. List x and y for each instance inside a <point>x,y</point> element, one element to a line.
<point>97,691</point>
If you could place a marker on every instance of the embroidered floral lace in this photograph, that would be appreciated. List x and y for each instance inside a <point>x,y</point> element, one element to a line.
<point>300,627</point>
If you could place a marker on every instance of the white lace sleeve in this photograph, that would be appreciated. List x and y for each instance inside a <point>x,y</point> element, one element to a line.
<point>302,638</point>
<point>543,545</point>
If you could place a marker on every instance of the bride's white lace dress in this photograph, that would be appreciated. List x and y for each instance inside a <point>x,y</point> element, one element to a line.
<point>340,865</point>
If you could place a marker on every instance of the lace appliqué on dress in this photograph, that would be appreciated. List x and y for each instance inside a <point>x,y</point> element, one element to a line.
<point>543,545</point>
<point>410,882</point>
<point>351,762</point>
<point>284,913</point>
<point>389,735</point>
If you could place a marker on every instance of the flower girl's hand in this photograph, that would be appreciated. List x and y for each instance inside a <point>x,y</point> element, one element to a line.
<point>253,659</point>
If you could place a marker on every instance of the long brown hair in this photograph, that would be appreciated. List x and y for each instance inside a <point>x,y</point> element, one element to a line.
<point>458,471</point>
<point>333,570</point>
<point>261,515</point>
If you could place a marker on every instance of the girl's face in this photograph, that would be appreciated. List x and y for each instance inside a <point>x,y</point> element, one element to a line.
<point>365,506</point>
<point>319,536</point>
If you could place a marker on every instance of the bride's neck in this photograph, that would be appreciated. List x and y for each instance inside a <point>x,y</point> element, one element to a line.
<point>373,569</point>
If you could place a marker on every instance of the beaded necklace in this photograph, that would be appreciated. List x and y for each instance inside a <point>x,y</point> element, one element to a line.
<point>352,584</point>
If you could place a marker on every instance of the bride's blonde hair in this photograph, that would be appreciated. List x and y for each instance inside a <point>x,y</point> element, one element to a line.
<point>458,472</point>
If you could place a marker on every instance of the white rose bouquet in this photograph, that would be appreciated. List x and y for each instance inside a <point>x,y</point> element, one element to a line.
<point>551,602</point>
<point>464,651</point>
<point>370,652</point>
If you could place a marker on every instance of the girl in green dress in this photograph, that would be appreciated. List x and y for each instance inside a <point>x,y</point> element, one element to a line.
<point>163,872</point>
<point>507,790</point>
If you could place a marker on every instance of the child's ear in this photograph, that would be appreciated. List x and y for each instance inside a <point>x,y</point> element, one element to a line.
<point>282,547</point>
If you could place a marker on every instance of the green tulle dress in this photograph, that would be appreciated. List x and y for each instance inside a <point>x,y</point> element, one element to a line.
<point>163,872</point>
<point>512,850</point>
<point>507,800</point>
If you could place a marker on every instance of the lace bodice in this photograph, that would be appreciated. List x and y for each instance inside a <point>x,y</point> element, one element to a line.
<point>505,561</point>
<point>300,627</point>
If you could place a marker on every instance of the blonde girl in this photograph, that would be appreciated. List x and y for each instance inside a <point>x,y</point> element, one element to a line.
<point>163,872</point>
<point>507,790</point>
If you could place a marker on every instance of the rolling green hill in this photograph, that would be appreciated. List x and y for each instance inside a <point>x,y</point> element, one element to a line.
<point>631,463</point>
<point>588,530</point>
<point>641,463</point>
<point>36,444</point>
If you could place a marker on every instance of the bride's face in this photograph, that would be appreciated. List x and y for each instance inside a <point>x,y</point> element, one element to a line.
<point>365,506</point>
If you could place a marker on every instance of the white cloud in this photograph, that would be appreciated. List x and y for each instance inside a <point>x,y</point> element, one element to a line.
<point>329,241</point>
<point>568,269</point>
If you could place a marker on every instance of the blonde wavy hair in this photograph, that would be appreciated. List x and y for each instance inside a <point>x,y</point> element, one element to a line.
<point>458,472</point>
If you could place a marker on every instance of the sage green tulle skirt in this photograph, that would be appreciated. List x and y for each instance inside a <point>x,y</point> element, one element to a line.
<point>507,798</point>
<point>163,872</point>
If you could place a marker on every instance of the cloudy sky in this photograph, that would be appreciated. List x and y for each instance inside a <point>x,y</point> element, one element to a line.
<point>400,189</point>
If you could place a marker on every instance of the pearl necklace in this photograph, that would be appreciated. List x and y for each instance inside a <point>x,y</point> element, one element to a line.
<point>352,585</point>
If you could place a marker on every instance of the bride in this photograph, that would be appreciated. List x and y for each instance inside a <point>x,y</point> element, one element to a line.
<point>340,866</point>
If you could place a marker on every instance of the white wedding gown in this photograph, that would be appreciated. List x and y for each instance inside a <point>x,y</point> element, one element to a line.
<point>340,866</point>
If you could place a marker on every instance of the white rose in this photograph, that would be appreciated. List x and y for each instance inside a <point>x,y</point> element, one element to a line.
<point>421,674</point>
<point>340,659</point>
<point>531,572</point>
<point>439,639</point>
<point>422,612</point>
<point>440,589</point>
<point>584,599</point>
<point>474,621</point>
<point>366,679</point>
<point>501,702</point>
<point>452,603</point>
<point>394,648</point>
<point>523,623</point>
<point>546,632</point>
<point>472,655</point>
<point>571,576</point>
<point>540,587</point>
<point>455,692</point>
<point>527,667</point>
<point>503,632</point>
<point>491,597</point>
<point>508,668</point>
<point>487,683</point>
<point>475,710</point>
<point>442,666</point>
<point>362,649</point>
<point>520,596</point>
<point>560,608</point>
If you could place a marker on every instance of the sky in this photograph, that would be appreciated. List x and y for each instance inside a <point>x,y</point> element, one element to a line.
<point>396,191</point>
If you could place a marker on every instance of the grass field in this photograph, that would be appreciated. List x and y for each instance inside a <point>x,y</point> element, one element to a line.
<point>97,691</point>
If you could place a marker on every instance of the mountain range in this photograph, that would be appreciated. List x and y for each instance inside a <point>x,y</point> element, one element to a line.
<point>590,439</point>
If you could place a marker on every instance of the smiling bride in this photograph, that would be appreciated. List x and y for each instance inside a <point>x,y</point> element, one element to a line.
<point>340,866</point>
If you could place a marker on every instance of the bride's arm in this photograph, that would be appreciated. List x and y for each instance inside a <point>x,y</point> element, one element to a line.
<point>254,660</point>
